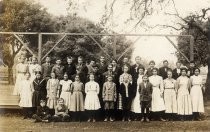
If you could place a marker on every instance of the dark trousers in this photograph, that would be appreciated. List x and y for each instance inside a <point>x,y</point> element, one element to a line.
<point>109,113</point>
<point>62,118</point>
<point>40,118</point>
<point>27,112</point>
<point>145,106</point>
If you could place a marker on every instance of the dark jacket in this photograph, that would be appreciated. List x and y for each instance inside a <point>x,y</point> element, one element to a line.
<point>46,69</point>
<point>126,101</point>
<point>145,93</point>
<point>175,74</point>
<point>42,111</point>
<point>163,72</point>
<point>70,69</point>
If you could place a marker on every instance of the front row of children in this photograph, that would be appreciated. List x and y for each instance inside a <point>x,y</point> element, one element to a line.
<point>182,96</point>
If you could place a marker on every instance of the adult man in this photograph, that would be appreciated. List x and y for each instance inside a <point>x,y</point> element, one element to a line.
<point>163,70</point>
<point>191,69</point>
<point>70,68</point>
<point>102,65</point>
<point>177,71</point>
<point>134,71</point>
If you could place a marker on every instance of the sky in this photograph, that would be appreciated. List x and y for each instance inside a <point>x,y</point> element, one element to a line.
<point>150,48</point>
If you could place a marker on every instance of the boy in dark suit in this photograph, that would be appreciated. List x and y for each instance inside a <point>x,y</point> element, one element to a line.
<point>163,70</point>
<point>42,113</point>
<point>177,71</point>
<point>145,91</point>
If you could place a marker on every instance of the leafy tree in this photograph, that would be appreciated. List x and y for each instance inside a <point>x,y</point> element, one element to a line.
<point>21,16</point>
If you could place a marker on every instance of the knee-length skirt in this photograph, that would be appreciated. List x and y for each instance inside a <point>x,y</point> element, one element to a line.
<point>92,101</point>
<point>67,98</point>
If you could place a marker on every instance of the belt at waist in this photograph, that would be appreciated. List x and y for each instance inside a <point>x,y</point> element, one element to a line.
<point>169,88</point>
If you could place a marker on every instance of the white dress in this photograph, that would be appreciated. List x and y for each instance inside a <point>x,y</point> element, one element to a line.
<point>32,69</point>
<point>91,99</point>
<point>184,104</point>
<point>157,100</point>
<point>136,107</point>
<point>196,94</point>
<point>170,96</point>
<point>65,93</point>
<point>26,93</point>
<point>21,69</point>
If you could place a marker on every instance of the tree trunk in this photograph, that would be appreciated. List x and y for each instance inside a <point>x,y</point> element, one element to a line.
<point>10,75</point>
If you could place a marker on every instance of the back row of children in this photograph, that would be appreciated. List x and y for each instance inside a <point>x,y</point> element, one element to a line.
<point>132,90</point>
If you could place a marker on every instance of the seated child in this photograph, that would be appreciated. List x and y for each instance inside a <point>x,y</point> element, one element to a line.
<point>61,112</point>
<point>42,113</point>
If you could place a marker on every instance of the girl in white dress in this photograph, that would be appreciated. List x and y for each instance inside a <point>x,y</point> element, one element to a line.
<point>26,93</point>
<point>197,94</point>
<point>65,88</point>
<point>52,92</point>
<point>170,96</point>
<point>92,103</point>
<point>135,107</point>
<point>34,67</point>
<point>184,104</point>
<point>158,106</point>
<point>21,70</point>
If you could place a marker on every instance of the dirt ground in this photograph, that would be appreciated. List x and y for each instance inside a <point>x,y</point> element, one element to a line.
<point>15,123</point>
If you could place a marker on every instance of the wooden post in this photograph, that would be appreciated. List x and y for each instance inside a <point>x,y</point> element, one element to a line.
<point>191,48</point>
<point>114,48</point>
<point>39,48</point>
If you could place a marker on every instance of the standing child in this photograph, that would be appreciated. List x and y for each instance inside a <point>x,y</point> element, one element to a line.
<point>109,97</point>
<point>61,112</point>
<point>136,108</point>
<point>77,98</point>
<point>58,69</point>
<point>40,90</point>
<point>184,104</point>
<point>52,92</point>
<point>145,91</point>
<point>197,94</point>
<point>42,113</point>
<point>65,86</point>
<point>125,94</point>
<point>92,103</point>
<point>26,93</point>
<point>170,96</point>
<point>158,106</point>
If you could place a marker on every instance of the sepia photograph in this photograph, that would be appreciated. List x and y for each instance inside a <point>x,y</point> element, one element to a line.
<point>104,65</point>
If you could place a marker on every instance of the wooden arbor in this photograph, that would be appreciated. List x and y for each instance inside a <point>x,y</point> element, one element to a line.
<point>91,35</point>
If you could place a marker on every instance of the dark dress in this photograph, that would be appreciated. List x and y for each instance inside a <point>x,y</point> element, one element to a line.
<point>70,69</point>
<point>163,72</point>
<point>126,101</point>
<point>40,91</point>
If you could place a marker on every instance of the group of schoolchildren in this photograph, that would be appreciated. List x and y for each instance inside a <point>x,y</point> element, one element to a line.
<point>101,91</point>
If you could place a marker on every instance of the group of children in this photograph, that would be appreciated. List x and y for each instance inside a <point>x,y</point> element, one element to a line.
<point>63,93</point>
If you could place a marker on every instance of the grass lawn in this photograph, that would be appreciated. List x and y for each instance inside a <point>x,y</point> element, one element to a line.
<point>15,122</point>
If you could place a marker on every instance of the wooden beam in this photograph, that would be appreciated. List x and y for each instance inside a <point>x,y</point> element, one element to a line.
<point>54,46</point>
<point>39,48</point>
<point>177,48</point>
<point>24,44</point>
<point>99,45</point>
<point>114,47</point>
<point>131,46</point>
<point>191,48</point>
